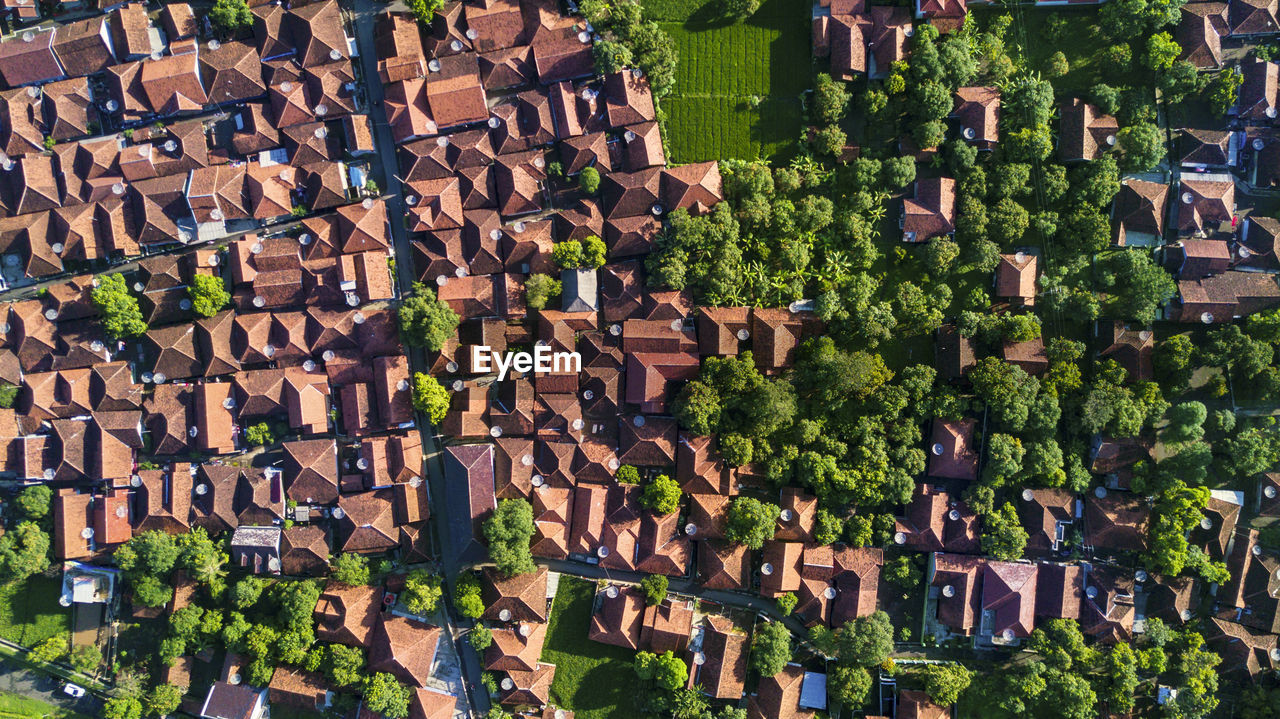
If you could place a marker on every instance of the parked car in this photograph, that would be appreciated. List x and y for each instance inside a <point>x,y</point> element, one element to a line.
<point>73,690</point>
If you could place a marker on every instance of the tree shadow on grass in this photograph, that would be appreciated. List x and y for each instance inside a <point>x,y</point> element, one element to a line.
<point>605,687</point>
<point>709,17</point>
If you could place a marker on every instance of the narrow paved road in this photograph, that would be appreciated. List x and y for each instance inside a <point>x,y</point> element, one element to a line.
<point>364,17</point>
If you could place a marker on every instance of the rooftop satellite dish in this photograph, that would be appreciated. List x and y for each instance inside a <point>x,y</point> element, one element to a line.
<point>214,44</point>
<point>584,37</point>
<point>472,34</point>
<point>1206,318</point>
<point>1100,492</point>
<point>184,304</point>
<point>51,314</point>
<point>87,533</point>
<point>160,377</point>
<point>615,330</point>
<point>656,209</point>
<point>766,569</point>
<point>362,463</point>
<point>1270,112</point>
<point>135,481</point>
<point>537,480</point>
<point>638,420</point>
<point>1188,198</point>
<point>948,591</point>
<point>216,215</point>
<point>1185,614</point>
<point>322,110</point>
<point>899,538</point>
<point>286,87</point>
<point>147,377</point>
<point>507,684</point>
<point>334,54</point>
<point>328,356</point>
<point>48,473</point>
<point>698,659</point>
<point>743,335</point>
<point>122,511</point>
<point>1257,550</point>
<point>494,122</point>
<point>1028,495</point>
<point>112,106</point>
<point>611,592</point>
<point>505,615</point>
<point>526,459</point>
<point>1140,575</point>
<point>525,630</point>
<point>415,481</point>
<point>829,593</point>
<point>1111,139</point>
<point>367,203</point>
<point>690,529</point>
<point>495,431</point>
<point>588,395</point>
<point>937,449</point>
<point>519,227</point>
<point>358,318</point>
<point>1007,635</point>
<point>785,515</point>
<point>235,678</point>
<point>433,65</point>
<point>613,463</point>
<point>1091,592</point>
<point>953,515</point>
<point>969,133</point>
<point>229,403</point>
<point>309,365</point>
<point>202,489</point>
<point>1206,523</point>
<point>339,513</point>
<point>192,431</point>
<point>1269,492</point>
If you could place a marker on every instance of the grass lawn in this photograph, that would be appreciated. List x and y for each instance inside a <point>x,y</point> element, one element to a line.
<point>13,706</point>
<point>723,69</point>
<point>30,613</point>
<point>593,680</point>
<point>1083,49</point>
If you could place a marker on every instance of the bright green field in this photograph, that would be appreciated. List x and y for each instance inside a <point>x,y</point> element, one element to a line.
<point>30,613</point>
<point>593,680</point>
<point>724,69</point>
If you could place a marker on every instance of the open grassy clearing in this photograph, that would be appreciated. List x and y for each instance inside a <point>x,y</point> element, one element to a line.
<point>1083,47</point>
<point>738,86</point>
<point>593,680</point>
<point>30,613</point>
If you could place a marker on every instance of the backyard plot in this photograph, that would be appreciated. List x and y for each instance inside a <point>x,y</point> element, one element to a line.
<point>593,680</point>
<point>738,86</point>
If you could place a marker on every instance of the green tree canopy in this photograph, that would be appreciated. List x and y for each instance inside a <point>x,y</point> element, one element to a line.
<point>771,649</point>
<point>509,530</point>
<point>426,321</point>
<point>121,316</point>
<point>430,397</point>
